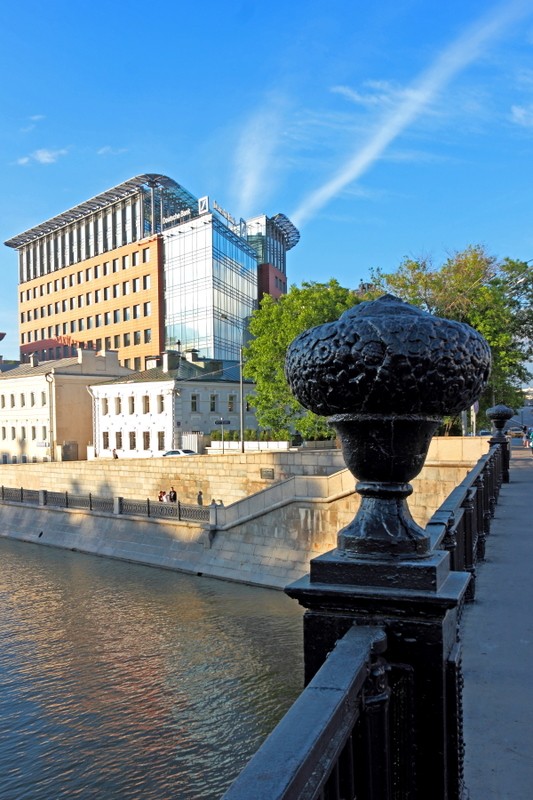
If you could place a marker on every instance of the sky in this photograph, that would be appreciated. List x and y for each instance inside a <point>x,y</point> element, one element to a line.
<point>385,130</point>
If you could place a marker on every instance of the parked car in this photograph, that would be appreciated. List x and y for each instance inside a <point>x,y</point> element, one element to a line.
<point>515,432</point>
<point>180,453</point>
<point>484,432</point>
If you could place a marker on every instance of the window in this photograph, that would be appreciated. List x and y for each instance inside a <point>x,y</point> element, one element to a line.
<point>107,318</point>
<point>71,279</point>
<point>72,303</point>
<point>23,433</point>
<point>146,255</point>
<point>160,403</point>
<point>136,311</point>
<point>115,290</point>
<point>135,258</point>
<point>45,433</point>
<point>147,309</point>
<point>127,339</point>
<point>105,440</point>
<point>73,326</point>
<point>80,277</point>
<point>146,281</point>
<point>3,401</point>
<point>136,337</point>
<point>126,314</point>
<point>131,404</point>
<point>116,315</point>
<point>64,305</point>
<point>81,324</point>
<point>3,433</point>
<point>81,301</point>
<point>33,433</point>
<point>97,295</point>
<point>106,267</point>
<point>161,440</point>
<point>107,293</point>
<point>97,271</point>
<point>194,402</point>
<point>146,440</point>
<point>231,403</point>
<point>13,433</point>
<point>115,265</point>
<point>118,405</point>
<point>127,363</point>
<point>98,320</point>
<point>105,406</point>
<point>125,262</point>
<point>22,400</point>
<point>118,440</point>
<point>147,335</point>
<point>133,440</point>
<point>12,400</point>
<point>136,284</point>
<point>89,298</point>
<point>43,400</point>
<point>89,323</point>
<point>137,363</point>
<point>146,404</point>
<point>213,402</point>
<point>107,342</point>
<point>116,341</point>
<point>125,287</point>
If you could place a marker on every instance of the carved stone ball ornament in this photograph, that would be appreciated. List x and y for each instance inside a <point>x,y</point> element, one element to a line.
<point>385,373</point>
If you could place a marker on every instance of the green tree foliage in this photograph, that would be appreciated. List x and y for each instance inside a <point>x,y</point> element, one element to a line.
<point>274,326</point>
<point>495,297</point>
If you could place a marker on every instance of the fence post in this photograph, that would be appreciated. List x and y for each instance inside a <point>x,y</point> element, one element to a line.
<point>386,373</point>
<point>117,505</point>
<point>499,415</point>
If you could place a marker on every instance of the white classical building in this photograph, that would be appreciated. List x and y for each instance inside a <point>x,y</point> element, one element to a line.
<point>45,408</point>
<point>174,403</point>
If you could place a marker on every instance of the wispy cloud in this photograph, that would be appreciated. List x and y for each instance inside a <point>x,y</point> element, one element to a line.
<point>523,115</point>
<point>33,119</point>
<point>255,156</point>
<point>107,150</point>
<point>42,156</point>
<point>413,101</point>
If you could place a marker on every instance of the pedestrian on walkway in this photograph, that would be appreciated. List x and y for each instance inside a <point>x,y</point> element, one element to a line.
<point>172,496</point>
<point>200,498</point>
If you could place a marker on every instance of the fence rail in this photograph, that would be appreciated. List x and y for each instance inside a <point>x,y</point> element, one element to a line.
<point>109,505</point>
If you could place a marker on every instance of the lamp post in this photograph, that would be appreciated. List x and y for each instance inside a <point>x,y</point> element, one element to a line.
<point>241,399</point>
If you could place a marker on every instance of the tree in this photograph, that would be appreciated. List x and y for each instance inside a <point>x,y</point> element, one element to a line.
<point>495,297</point>
<point>274,325</point>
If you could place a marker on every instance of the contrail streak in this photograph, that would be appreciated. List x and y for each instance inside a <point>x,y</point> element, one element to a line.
<point>462,52</point>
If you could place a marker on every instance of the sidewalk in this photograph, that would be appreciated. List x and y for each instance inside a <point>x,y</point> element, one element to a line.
<point>498,649</point>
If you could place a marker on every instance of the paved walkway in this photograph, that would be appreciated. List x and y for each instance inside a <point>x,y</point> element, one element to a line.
<point>498,649</point>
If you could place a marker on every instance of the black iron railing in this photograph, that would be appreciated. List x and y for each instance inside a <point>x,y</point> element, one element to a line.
<point>108,505</point>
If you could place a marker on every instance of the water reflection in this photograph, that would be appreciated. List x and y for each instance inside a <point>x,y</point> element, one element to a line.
<point>121,681</point>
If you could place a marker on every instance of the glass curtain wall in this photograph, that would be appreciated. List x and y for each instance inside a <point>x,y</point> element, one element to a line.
<point>210,288</point>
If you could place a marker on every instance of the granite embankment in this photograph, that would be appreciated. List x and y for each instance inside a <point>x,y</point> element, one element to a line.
<point>281,509</point>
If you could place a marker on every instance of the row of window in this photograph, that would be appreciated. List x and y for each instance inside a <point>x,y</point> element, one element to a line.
<point>160,404</point>
<point>132,440</point>
<point>97,321</point>
<point>32,398</point>
<point>21,434</point>
<point>87,275</point>
<point>145,404</point>
<point>87,299</point>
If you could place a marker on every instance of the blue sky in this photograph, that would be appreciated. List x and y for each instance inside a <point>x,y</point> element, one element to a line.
<point>383,130</point>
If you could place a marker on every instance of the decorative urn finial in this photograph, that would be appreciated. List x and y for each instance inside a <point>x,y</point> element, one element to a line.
<point>499,415</point>
<point>385,373</point>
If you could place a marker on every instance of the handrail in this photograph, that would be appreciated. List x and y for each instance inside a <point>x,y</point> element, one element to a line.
<point>302,753</point>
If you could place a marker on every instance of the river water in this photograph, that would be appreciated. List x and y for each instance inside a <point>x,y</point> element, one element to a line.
<point>119,681</point>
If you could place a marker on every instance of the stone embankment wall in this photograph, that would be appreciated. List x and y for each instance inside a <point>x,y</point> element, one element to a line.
<point>265,539</point>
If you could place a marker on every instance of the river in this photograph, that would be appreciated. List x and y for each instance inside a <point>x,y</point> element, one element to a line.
<point>119,681</point>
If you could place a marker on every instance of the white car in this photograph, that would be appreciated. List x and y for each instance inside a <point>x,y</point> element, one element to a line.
<point>180,453</point>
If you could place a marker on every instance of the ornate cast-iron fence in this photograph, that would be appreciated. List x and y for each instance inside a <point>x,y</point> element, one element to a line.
<point>350,734</point>
<point>144,508</point>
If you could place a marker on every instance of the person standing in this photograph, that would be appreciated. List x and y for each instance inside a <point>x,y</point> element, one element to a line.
<point>200,498</point>
<point>115,454</point>
<point>172,496</point>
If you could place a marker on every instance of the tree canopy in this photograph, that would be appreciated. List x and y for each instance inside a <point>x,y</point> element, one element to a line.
<point>273,327</point>
<point>495,297</point>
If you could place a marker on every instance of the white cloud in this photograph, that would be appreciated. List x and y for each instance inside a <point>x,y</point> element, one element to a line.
<point>42,156</point>
<point>107,150</point>
<point>522,115</point>
<point>412,102</point>
<point>255,157</point>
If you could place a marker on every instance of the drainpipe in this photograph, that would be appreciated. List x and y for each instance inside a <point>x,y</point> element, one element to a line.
<point>50,381</point>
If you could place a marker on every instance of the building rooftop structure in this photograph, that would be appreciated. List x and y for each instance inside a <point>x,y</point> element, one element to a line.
<point>142,266</point>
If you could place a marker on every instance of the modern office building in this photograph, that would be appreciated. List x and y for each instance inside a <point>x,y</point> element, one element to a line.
<point>146,267</point>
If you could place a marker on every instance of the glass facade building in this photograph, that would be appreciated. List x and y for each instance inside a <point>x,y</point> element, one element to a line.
<point>143,266</point>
